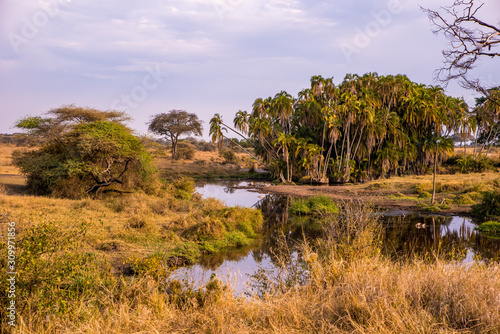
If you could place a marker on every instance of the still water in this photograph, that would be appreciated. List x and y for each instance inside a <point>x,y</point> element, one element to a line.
<point>404,235</point>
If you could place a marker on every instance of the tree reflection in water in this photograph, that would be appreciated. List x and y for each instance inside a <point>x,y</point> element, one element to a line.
<point>452,238</point>
<point>404,237</point>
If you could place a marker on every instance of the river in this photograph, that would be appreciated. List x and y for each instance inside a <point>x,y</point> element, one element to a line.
<point>405,234</point>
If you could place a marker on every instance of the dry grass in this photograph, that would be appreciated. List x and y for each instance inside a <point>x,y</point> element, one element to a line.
<point>5,160</point>
<point>204,164</point>
<point>494,152</point>
<point>351,289</point>
<point>121,227</point>
<point>455,182</point>
<point>366,296</point>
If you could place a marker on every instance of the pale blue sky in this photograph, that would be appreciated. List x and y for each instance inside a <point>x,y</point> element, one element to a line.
<point>150,56</point>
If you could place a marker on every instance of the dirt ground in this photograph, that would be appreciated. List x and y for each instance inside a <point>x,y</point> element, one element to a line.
<point>398,192</point>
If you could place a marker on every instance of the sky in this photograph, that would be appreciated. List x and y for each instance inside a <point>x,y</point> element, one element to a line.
<point>206,56</point>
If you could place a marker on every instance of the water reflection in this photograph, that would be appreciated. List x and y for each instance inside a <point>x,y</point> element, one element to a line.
<point>405,235</point>
<point>453,238</point>
<point>230,192</point>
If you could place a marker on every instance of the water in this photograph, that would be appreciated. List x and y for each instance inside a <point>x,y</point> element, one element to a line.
<point>230,192</point>
<point>404,235</point>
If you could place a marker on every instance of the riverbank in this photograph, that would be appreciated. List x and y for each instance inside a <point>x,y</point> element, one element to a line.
<point>455,194</point>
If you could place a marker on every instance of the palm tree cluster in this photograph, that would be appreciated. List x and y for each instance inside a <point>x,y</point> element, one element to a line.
<point>366,127</point>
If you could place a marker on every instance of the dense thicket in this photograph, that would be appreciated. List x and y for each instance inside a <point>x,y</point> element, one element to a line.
<point>368,126</point>
<point>92,150</point>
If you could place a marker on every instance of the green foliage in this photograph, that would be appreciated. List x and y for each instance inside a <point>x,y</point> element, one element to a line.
<point>489,227</point>
<point>86,159</point>
<point>174,124</point>
<point>317,205</point>
<point>183,188</point>
<point>489,206</point>
<point>474,164</point>
<point>465,198</point>
<point>53,270</point>
<point>31,122</point>
<point>365,127</point>
<point>229,156</point>
<point>220,228</point>
<point>425,194</point>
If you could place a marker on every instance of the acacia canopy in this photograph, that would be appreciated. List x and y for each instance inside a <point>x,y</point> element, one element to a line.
<point>174,124</point>
<point>91,152</point>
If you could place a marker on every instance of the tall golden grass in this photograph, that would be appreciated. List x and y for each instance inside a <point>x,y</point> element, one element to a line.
<point>351,288</point>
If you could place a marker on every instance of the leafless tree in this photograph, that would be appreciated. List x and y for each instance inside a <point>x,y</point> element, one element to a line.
<point>471,38</point>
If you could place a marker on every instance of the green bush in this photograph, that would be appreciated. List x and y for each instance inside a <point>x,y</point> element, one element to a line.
<point>185,151</point>
<point>86,160</point>
<point>466,198</point>
<point>53,271</point>
<point>229,156</point>
<point>489,227</point>
<point>220,228</point>
<point>317,205</point>
<point>471,164</point>
<point>489,206</point>
<point>425,194</point>
<point>183,188</point>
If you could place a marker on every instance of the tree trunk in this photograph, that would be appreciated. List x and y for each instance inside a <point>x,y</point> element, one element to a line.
<point>250,154</point>
<point>434,177</point>
<point>174,147</point>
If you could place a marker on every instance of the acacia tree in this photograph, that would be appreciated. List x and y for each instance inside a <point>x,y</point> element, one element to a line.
<point>175,123</point>
<point>63,119</point>
<point>91,154</point>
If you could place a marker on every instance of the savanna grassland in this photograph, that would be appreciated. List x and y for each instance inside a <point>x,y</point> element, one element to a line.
<point>102,265</point>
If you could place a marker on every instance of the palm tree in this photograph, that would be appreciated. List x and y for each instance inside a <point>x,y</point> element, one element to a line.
<point>438,146</point>
<point>285,141</point>
<point>217,135</point>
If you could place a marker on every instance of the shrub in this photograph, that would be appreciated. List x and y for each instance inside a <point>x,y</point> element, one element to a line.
<point>185,151</point>
<point>53,271</point>
<point>471,164</point>
<point>489,207</point>
<point>86,160</point>
<point>229,156</point>
<point>490,227</point>
<point>425,194</point>
<point>183,188</point>
<point>317,205</point>
<point>466,198</point>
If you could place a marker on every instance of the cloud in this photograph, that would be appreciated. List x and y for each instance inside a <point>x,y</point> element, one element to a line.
<point>219,54</point>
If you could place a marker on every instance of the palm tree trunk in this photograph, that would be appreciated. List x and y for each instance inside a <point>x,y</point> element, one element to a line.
<point>491,144</point>
<point>347,159</point>
<point>239,134</point>
<point>250,154</point>
<point>434,177</point>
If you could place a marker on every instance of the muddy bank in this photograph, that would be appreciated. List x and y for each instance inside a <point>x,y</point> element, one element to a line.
<point>381,198</point>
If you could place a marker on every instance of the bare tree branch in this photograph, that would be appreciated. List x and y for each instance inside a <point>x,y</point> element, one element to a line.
<point>471,39</point>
